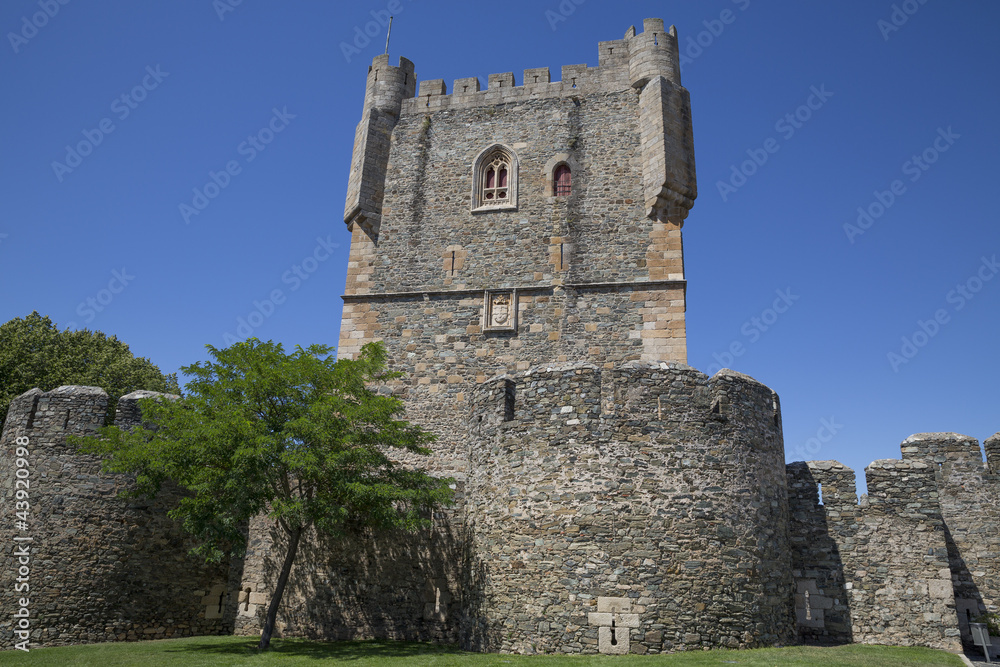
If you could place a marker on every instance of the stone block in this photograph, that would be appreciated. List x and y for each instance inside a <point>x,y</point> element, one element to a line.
<point>614,605</point>
<point>627,620</point>
<point>941,589</point>
<point>501,80</point>
<point>613,641</point>
<point>259,598</point>
<point>536,76</point>
<point>431,87</point>
<point>600,618</point>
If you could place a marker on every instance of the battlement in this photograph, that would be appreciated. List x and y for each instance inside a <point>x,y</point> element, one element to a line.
<point>141,583</point>
<point>387,86</point>
<point>893,484</point>
<point>578,396</point>
<point>827,483</point>
<point>128,412</point>
<point>73,409</point>
<point>902,487</point>
<point>66,409</point>
<point>922,538</point>
<point>630,62</point>
<point>992,447</point>
<point>946,451</point>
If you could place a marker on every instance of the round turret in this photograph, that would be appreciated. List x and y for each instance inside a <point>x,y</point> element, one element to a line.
<point>605,500</point>
<point>652,53</point>
<point>101,568</point>
<point>388,86</point>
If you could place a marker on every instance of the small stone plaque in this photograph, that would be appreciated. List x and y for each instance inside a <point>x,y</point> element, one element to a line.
<point>500,308</point>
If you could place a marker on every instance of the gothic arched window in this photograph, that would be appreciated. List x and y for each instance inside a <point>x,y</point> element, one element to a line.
<point>562,181</point>
<point>495,179</point>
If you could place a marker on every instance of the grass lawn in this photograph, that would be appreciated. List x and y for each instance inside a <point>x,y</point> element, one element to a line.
<point>198,651</point>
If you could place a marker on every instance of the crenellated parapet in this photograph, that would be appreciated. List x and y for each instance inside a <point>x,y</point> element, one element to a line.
<point>587,481</point>
<point>902,488</point>
<point>630,62</point>
<point>128,412</point>
<point>646,61</point>
<point>653,53</point>
<point>914,561</point>
<point>969,496</point>
<point>101,568</point>
<point>992,447</point>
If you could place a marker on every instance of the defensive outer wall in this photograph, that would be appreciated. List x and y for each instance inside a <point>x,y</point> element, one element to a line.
<point>915,561</point>
<point>100,569</point>
<point>634,509</point>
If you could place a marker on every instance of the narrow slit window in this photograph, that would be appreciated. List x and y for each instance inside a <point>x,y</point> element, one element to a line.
<point>563,181</point>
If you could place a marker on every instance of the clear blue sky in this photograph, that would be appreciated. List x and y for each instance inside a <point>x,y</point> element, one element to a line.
<point>199,80</point>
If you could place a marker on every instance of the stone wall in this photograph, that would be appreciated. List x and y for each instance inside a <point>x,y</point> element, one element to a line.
<point>822,539</point>
<point>101,568</point>
<point>647,495</point>
<point>970,506</point>
<point>401,585</point>
<point>901,593</point>
<point>913,562</point>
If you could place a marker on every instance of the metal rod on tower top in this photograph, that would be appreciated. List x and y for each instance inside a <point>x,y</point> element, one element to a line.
<point>388,32</point>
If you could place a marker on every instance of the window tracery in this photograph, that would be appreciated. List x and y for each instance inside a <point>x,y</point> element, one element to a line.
<point>495,179</point>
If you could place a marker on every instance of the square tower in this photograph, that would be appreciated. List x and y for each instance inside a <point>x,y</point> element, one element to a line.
<point>532,222</point>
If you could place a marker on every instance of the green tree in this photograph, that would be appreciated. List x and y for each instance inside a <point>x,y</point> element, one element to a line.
<point>35,353</point>
<point>302,437</point>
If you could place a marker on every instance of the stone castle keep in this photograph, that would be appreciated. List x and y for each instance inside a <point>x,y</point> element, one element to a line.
<point>518,250</point>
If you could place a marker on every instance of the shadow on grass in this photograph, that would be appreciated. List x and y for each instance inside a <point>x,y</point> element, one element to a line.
<point>304,648</point>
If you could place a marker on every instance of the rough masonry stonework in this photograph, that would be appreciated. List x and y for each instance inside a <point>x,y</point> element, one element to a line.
<point>518,249</point>
<point>101,569</point>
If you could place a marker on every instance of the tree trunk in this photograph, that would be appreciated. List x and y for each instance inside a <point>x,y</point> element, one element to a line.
<point>272,609</point>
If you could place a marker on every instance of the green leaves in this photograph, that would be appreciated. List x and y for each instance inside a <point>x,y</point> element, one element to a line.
<point>301,435</point>
<point>34,353</point>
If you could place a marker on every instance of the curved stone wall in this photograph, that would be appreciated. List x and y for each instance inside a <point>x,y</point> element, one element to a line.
<point>628,510</point>
<point>98,568</point>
